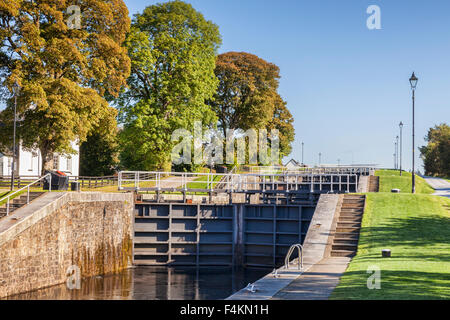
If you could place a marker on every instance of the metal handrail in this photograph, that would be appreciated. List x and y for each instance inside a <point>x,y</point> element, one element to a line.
<point>224,181</point>
<point>8,197</point>
<point>290,252</point>
<point>232,182</point>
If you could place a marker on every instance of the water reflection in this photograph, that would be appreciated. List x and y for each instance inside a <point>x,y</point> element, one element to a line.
<point>155,283</point>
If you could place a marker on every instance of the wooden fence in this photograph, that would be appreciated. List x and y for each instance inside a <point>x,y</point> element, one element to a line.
<point>85,182</point>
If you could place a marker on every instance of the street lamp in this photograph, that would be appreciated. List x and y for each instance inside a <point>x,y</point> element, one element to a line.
<point>320,158</point>
<point>16,89</point>
<point>396,152</point>
<point>393,155</point>
<point>401,142</point>
<point>413,81</point>
<point>303,146</point>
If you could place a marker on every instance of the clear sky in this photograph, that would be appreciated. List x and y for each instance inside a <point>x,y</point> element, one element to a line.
<point>346,86</point>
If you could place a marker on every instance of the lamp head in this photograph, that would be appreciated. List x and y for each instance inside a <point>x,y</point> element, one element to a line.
<point>16,87</point>
<point>413,81</point>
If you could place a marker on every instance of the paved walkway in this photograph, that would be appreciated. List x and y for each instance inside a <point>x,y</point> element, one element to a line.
<point>441,186</point>
<point>176,182</point>
<point>318,282</point>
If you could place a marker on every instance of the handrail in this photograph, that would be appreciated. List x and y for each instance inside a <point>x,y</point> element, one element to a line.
<point>8,197</point>
<point>232,182</point>
<point>290,252</point>
<point>224,180</point>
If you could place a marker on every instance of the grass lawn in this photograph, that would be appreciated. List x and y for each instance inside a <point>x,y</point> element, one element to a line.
<point>417,230</point>
<point>390,179</point>
<point>4,194</point>
<point>202,182</point>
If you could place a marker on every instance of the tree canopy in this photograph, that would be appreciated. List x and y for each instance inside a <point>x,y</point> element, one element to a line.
<point>172,49</point>
<point>99,153</point>
<point>247,97</point>
<point>64,73</point>
<point>436,154</point>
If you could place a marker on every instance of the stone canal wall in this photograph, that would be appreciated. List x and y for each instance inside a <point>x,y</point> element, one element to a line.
<point>42,241</point>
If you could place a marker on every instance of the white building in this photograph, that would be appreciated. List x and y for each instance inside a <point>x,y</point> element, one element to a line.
<point>293,165</point>
<point>30,163</point>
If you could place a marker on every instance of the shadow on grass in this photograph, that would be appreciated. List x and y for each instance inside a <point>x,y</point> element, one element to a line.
<point>411,231</point>
<point>395,285</point>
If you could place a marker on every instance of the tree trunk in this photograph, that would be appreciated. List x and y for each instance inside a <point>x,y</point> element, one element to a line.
<point>47,160</point>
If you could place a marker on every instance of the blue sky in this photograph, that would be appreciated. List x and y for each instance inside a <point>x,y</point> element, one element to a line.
<point>346,86</point>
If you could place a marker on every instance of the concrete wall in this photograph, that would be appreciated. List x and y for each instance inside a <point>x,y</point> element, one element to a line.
<point>93,231</point>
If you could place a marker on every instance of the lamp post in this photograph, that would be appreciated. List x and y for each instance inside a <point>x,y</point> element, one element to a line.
<point>16,89</point>
<point>303,146</point>
<point>393,155</point>
<point>396,152</point>
<point>413,81</point>
<point>401,143</point>
<point>320,158</point>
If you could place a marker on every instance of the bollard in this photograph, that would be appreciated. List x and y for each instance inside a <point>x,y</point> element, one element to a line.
<point>386,253</point>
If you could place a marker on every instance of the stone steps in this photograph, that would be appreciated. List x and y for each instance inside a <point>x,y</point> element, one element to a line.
<point>345,246</point>
<point>353,206</point>
<point>348,227</point>
<point>18,202</point>
<point>374,184</point>
<point>346,236</point>
<point>346,241</point>
<point>351,218</point>
<point>343,253</point>
<point>349,224</point>
<point>352,210</point>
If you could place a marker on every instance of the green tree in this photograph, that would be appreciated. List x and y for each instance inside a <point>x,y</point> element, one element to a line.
<point>64,73</point>
<point>248,97</point>
<point>282,120</point>
<point>436,154</point>
<point>172,49</point>
<point>99,153</point>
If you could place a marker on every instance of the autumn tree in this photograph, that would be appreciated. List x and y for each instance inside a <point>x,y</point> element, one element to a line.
<point>64,72</point>
<point>247,97</point>
<point>172,49</point>
<point>436,154</point>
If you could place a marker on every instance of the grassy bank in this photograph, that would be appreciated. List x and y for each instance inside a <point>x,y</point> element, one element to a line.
<point>202,182</point>
<point>390,179</point>
<point>417,230</point>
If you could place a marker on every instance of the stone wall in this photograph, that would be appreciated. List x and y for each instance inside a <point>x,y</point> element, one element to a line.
<point>92,231</point>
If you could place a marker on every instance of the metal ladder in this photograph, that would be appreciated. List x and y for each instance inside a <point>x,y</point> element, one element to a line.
<point>289,254</point>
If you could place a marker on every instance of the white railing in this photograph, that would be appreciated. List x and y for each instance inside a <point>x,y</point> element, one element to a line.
<point>362,170</point>
<point>289,254</point>
<point>215,182</point>
<point>27,187</point>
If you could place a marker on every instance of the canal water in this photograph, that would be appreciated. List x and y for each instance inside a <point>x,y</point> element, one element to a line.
<point>155,283</point>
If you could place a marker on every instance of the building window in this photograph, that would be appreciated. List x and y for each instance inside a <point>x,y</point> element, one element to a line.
<point>55,162</point>
<point>69,164</point>
<point>9,165</point>
<point>33,155</point>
